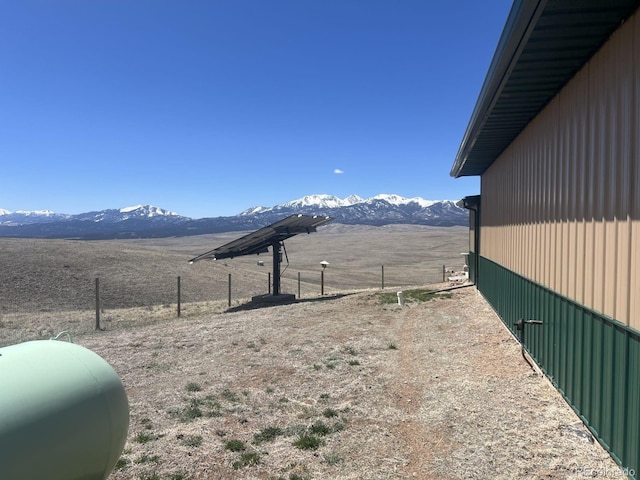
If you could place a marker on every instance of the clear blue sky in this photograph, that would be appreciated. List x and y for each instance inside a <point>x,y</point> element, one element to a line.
<point>210,107</point>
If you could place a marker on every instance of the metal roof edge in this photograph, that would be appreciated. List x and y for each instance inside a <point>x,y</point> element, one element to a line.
<point>518,27</point>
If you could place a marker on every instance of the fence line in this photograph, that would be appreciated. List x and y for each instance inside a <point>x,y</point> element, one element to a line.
<point>43,320</point>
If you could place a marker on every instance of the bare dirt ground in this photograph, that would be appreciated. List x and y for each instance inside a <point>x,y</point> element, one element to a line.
<point>343,387</point>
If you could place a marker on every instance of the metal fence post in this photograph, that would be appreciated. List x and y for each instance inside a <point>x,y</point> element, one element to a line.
<point>443,274</point>
<point>321,282</point>
<point>269,283</point>
<point>382,277</point>
<point>298,285</point>
<point>97,303</point>
<point>229,290</point>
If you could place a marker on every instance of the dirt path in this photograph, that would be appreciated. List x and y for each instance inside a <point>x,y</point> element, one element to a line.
<point>434,390</point>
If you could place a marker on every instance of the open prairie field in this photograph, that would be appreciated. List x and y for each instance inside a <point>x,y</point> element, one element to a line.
<point>49,285</point>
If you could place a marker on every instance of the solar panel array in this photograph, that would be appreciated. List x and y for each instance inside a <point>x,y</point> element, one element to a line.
<point>260,240</point>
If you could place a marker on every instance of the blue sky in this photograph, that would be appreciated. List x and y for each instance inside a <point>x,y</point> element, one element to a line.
<point>207,108</point>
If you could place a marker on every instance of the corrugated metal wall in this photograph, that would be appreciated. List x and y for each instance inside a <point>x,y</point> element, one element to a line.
<point>592,360</point>
<point>561,205</point>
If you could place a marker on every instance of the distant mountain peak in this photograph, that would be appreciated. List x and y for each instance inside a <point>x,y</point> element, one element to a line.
<point>147,210</point>
<point>142,221</point>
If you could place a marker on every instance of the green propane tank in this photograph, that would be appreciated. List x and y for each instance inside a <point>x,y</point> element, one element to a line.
<point>64,413</point>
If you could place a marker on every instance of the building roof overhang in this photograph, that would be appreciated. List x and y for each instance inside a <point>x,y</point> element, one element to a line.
<point>543,45</point>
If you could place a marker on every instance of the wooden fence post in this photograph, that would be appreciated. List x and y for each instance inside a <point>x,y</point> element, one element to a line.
<point>298,285</point>
<point>178,296</point>
<point>382,277</point>
<point>97,303</point>
<point>443,274</point>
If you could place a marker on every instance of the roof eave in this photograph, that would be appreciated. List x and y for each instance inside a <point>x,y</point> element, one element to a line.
<point>520,22</point>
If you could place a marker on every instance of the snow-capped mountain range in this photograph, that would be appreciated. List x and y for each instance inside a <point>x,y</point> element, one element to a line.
<point>148,221</point>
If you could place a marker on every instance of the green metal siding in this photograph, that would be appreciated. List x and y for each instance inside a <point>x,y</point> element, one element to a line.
<point>593,360</point>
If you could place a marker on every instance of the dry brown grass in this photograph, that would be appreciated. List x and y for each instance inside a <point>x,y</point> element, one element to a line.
<point>435,390</point>
<point>49,285</point>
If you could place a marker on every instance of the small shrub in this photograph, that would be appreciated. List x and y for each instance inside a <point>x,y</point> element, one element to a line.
<point>267,434</point>
<point>144,437</point>
<point>191,412</point>
<point>144,458</point>
<point>350,350</point>
<point>333,459</point>
<point>307,442</point>
<point>235,445</point>
<point>150,476</point>
<point>121,463</point>
<point>354,363</point>
<point>229,395</point>
<point>329,413</point>
<point>193,387</point>
<point>392,346</point>
<point>320,428</point>
<point>146,423</point>
<point>338,427</point>
<point>192,440</point>
<point>247,459</point>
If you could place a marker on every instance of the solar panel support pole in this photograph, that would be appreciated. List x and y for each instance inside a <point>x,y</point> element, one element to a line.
<point>276,267</point>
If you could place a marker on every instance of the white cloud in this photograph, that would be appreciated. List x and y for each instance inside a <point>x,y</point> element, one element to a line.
<point>337,171</point>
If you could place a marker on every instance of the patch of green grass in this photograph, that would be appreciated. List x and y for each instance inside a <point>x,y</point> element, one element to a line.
<point>317,366</point>
<point>333,458</point>
<point>192,440</point>
<point>235,445</point>
<point>146,423</point>
<point>267,434</point>
<point>177,476</point>
<point>307,442</point>
<point>192,411</point>
<point>320,428</point>
<point>229,396</point>
<point>350,350</point>
<point>393,346</point>
<point>338,427</point>
<point>247,459</point>
<point>414,295</point>
<point>150,476</point>
<point>193,387</point>
<point>329,413</point>
<point>145,458</point>
<point>121,464</point>
<point>144,437</point>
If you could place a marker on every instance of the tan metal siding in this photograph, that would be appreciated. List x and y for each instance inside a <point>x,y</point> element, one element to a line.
<point>560,206</point>
<point>634,208</point>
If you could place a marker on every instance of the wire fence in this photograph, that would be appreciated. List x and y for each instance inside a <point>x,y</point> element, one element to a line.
<point>103,303</point>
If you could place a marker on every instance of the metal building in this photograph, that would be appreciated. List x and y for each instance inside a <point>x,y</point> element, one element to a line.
<point>555,231</point>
